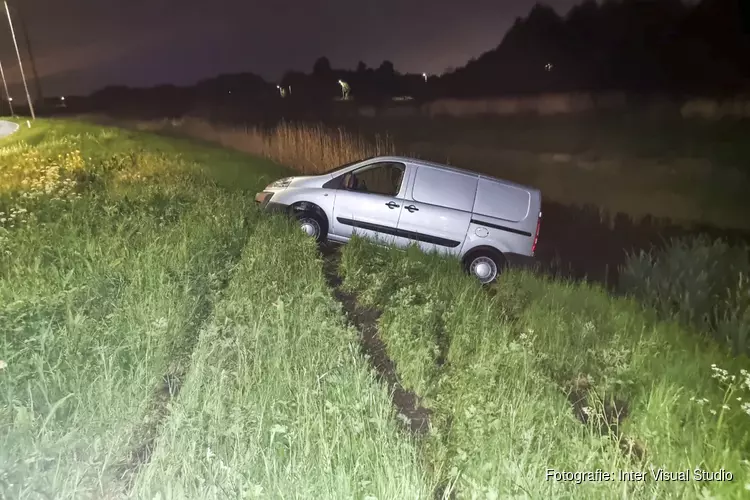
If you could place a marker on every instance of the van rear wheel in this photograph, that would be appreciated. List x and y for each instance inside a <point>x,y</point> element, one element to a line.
<point>484,265</point>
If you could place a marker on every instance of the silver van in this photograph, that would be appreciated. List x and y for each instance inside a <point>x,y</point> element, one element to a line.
<point>486,222</point>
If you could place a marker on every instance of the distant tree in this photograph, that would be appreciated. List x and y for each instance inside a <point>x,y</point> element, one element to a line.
<point>386,69</point>
<point>322,67</point>
<point>361,67</point>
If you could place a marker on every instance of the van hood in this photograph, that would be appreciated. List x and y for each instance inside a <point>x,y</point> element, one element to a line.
<point>309,180</point>
<point>298,181</point>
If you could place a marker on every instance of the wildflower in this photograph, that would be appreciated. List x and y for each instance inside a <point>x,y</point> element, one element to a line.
<point>746,375</point>
<point>725,407</point>
<point>3,365</point>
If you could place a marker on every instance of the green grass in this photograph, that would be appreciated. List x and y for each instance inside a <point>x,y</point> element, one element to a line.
<point>278,402</point>
<point>116,248</point>
<point>500,372</point>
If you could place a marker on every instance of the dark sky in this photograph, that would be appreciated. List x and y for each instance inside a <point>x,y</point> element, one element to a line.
<point>82,45</point>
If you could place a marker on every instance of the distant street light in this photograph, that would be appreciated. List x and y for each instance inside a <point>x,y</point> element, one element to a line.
<point>344,89</point>
<point>62,98</point>
<point>7,94</point>
<point>424,75</point>
<point>20,64</point>
<point>282,91</point>
<point>549,66</point>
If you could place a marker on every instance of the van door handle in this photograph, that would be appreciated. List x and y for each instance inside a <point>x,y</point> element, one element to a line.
<point>391,205</point>
<point>412,208</point>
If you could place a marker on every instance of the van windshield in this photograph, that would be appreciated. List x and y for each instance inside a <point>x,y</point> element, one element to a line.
<point>333,170</point>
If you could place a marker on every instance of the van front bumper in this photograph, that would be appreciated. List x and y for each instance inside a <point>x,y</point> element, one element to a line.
<point>263,199</point>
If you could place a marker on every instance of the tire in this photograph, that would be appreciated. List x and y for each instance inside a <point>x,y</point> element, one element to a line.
<point>313,226</point>
<point>485,265</point>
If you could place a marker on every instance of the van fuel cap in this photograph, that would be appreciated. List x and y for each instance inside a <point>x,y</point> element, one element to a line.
<point>482,232</point>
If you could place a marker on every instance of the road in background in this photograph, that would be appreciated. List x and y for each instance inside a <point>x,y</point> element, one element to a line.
<point>7,128</point>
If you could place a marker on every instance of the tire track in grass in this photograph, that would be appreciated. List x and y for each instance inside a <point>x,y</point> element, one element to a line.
<point>278,403</point>
<point>414,416</point>
<point>582,395</point>
<point>171,383</point>
<point>365,319</point>
<point>453,391</point>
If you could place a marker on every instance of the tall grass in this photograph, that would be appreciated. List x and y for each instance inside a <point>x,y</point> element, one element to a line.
<point>278,402</point>
<point>309,149</point>
<point>115,249</point>
<point>542,375</point>
<point>702,283</point>
<point>104,279</point>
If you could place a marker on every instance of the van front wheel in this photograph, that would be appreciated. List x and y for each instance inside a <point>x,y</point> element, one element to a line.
<point>312,226</point>
<point>484,265</point>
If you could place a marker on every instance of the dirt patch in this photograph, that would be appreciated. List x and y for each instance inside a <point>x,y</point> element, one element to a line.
<point>606,415</point>
<point>168,388</point>
<point>415,417</point>
<point>445,492</point>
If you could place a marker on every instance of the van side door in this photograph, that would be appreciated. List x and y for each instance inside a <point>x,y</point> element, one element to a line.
<point>438,212</point>
<point>369,201</point>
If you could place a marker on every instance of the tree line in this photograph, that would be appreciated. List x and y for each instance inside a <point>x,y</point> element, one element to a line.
<point>636,46</point>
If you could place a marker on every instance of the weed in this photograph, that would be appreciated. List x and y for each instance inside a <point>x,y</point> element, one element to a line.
<point>701,283</point>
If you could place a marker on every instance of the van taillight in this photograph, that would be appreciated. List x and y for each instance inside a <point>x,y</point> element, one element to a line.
<point>536,236</point>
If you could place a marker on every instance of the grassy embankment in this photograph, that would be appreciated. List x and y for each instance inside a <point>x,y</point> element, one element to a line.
<point>501,372</point>
<point>130,368</point>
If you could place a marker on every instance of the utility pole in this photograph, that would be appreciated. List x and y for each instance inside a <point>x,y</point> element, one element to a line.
<point>20,64</point>
<point>7,94</point>
<point>34,72</point>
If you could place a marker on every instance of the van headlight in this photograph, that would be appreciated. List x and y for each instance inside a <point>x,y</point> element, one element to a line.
<point>281,183</point>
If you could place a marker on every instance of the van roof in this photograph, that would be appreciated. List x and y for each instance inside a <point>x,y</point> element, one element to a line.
<point>417,161</point>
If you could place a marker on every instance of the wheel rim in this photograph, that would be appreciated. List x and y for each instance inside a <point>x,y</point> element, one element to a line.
<point>310,227</point>
<point>484,269</point>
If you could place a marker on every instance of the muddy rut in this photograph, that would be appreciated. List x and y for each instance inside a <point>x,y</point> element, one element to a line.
<point>415,417</point>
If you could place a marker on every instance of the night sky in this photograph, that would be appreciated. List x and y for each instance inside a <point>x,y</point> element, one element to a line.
<point>83,45</point>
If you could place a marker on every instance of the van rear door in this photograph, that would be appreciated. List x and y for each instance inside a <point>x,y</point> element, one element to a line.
<point>501,200</point>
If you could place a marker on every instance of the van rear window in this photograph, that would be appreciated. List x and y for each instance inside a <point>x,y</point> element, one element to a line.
<point>502,201</point>
<point>445,188</point>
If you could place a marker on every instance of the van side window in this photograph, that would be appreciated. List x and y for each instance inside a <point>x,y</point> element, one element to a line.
<point>445,188</point>
<point>380,178</point>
